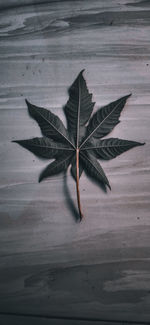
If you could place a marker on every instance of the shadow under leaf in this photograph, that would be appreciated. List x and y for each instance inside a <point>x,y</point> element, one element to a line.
<point>69,200</point>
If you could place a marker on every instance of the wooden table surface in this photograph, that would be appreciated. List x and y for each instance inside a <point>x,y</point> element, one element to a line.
<point>53,269</point>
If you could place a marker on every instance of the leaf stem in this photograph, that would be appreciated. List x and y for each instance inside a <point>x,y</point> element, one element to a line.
<point>77,184</point>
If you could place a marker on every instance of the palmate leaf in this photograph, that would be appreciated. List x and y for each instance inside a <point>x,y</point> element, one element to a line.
<point>110,148</point>
<point>78,108</point>
<point>50,124</point>
<point>56,167</point>
<point>81,145</point>
<point>93,168</point>
<point>105,119</point>
<point>45,147</point>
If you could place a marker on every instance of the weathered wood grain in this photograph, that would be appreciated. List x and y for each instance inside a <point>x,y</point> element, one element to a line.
<point>20,319</point>
<point>49,263</point>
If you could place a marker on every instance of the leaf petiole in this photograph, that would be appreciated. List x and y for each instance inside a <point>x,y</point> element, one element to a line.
<point>77,184</point>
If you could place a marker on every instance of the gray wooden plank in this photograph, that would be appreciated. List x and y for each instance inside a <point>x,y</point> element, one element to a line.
<point>8,319</point>
<point>50,264</point>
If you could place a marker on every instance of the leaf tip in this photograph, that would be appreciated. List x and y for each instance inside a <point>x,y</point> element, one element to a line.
<point>15,141</point>
<point>136,144</point>
<point>27,102</point>
<point>141,143</point>
<point>109,186</point>
<point>126,97</point>
<point>129,95</point>
<point>81,72</point>
<point>40,178</point>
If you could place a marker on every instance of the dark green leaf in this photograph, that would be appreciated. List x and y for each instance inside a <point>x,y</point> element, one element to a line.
<point>81,144</point>
<point>50,124</point>
<point>45,147</point>
<point>78,108</point>
<point>110,148</point>
<point>57,166</point>
<point>105,119</point>
<point>93,168</point>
